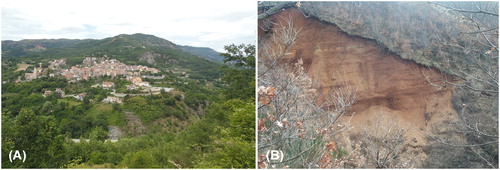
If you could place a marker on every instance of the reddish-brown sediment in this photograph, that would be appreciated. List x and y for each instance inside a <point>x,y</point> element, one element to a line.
<point>386,83</point>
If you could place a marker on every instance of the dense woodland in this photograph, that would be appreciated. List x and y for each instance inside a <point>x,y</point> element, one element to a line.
<point>206,122</point>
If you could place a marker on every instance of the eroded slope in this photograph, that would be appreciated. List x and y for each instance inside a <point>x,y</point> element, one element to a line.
<point>387,85</point>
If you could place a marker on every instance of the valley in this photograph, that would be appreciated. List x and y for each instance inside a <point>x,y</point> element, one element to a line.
<point>107,103</point>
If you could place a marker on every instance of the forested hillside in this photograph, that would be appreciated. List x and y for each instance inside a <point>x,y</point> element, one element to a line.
<point>130,49</point>
<point>129,101</point>
<point>203,52</point>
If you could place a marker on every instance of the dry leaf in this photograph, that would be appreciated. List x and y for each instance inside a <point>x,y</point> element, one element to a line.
<point>301,136</point>
<point>264,101</point>
<point>261,124</point>
<point>263,165</point>
<point>285,123</point>
<point>270,91</point>
<point>331,145</point>
<point>299,125</point>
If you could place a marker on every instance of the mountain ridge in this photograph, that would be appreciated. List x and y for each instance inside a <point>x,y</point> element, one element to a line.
<point>204,52</point>
<point>16,48</point>
<point>132,49</point>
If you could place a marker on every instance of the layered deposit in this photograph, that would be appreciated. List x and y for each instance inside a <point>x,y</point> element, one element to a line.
<point>387,85</point>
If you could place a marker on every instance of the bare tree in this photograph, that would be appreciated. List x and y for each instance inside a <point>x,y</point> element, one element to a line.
<point>383,141</point>
<point>290,117</point>
<point>476,81</point>
<point>479,43</point>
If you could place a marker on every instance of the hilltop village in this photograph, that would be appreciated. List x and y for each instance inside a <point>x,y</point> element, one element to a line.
<point>93,67</point>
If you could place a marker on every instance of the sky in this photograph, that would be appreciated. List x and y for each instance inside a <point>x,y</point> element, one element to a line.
<point>188,22</point>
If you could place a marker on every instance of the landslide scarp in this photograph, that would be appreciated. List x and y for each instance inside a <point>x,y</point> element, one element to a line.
<point>387,84</point>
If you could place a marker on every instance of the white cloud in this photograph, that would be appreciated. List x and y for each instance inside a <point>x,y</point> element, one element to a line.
<point>207,23</point>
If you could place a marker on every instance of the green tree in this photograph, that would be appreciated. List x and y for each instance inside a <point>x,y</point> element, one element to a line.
<point>37,135</point>
<point>97,157</point>
<point>98,134</point>
<point>46,108</point>
<point>140,159</point>
<point>230,152</point>
<point>242,121</point>
<point>239,71</point>
<point>232,140</point>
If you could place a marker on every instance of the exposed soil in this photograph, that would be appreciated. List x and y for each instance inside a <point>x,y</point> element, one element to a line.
<point>22,66</point>
<point>114,133</point>
<point>386,83</point>
<point>134,124</point>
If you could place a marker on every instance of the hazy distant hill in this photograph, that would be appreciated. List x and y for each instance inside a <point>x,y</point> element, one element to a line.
<point>204,52</point>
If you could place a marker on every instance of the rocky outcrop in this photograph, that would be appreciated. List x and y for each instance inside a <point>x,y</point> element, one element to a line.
<point>114,133</point>
<point>134,124</point>
<point>156,58</point>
